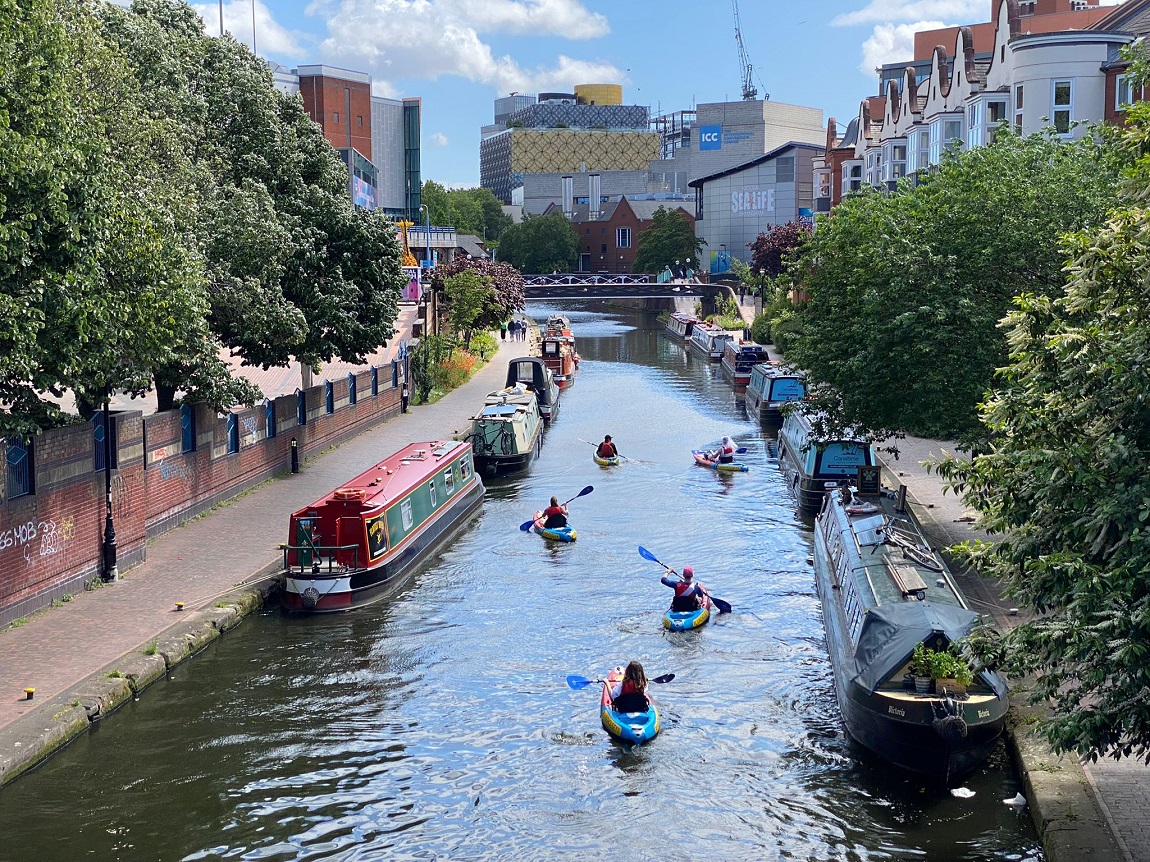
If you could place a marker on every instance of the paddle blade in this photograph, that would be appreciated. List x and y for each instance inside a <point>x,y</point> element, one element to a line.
<point>584,492</point>
<point>742,450</point>
<point>724,607</point>
<point>527,525</point>
<point>578,682</point>
<point>667,677</point>
<point>647,555</point>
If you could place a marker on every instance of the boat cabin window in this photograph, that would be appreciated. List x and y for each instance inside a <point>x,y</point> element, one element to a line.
<point>550,348</point>
<point>405,512</point>
<point>787,389</point>
<point>465,467</point>
<point>841,459</point>
<point>431,491</point>
<point>449,481</point>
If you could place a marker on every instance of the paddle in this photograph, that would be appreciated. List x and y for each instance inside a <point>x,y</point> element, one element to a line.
<point>596,445</point>
<point>526,525</point>
<point>723,606</point>
<point>578,682</point>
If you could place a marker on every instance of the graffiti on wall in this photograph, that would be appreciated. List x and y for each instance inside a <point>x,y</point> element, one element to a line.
<point>35,539</point>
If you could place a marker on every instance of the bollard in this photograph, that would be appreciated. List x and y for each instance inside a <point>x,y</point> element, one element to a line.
<point>294,455</point>
<point>28,693</point>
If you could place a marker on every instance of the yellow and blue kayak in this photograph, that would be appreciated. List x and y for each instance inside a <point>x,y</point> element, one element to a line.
<point>613,461</point>
<point>683,621</point>
<point>633,727</point>
<point>555,534</point>
<point>703,461</point>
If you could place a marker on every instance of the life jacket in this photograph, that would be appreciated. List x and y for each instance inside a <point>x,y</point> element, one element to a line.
<point>628,687</point>
<point>684,588</point>
<point>607,450</point>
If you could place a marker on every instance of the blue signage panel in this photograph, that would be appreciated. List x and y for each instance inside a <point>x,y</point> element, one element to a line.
<point>710,137</point>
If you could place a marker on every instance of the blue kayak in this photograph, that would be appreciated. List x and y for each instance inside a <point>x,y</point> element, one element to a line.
<point>682,621</point>
<point>555,534</point>
<point>633,727</point>
<point>703,461</point>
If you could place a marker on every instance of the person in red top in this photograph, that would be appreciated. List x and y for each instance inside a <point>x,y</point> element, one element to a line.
<point>554,515</point>
<point>607,449</point>
<point>725,453</point>
<point>630,693</point>
<point>689,595</point>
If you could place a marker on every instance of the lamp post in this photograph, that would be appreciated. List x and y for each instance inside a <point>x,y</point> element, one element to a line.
<point>111,571</point>
<point>759,295</point>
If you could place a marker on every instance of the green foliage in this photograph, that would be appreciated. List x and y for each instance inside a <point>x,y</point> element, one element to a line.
<point>785,325</point>
<point>761,328</point>
<point>906,289</point>
<point>473,211</point>
<point>483,345</point>
<point>670,237</point>
<point>773,249</point>
<point>940,664</point>
<point>541,244</point>
<point>465,292</point>
<point>503,284</point>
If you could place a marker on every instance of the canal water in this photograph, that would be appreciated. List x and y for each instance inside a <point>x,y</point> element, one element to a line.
<point>438,725</point>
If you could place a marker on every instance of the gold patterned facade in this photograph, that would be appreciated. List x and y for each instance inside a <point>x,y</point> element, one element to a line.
<point>557,151</point>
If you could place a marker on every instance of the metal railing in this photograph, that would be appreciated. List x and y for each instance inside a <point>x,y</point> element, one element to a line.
<point>319,566</point>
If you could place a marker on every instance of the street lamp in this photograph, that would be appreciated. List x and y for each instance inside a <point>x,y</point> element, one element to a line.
<point>426,231</point>
<point>111,571</point>
<point>759,295</point>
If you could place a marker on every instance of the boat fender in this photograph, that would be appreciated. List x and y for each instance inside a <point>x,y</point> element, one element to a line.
<point>950,725</point>
<point>310,597</point>
<point>351,494</point>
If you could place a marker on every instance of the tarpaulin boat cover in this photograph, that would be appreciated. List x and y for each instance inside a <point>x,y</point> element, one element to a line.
<point>891,632</point>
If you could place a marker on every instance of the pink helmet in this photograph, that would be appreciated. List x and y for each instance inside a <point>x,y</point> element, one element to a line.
<point>688,572</point>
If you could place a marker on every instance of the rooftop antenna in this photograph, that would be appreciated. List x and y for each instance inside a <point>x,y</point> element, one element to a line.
<point>749,91</point>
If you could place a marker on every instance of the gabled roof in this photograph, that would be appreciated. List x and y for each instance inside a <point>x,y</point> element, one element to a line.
<point>758,160</point>
<point>1133,16</point>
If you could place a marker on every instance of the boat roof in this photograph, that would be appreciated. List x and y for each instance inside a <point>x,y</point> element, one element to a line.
<point>774,369</point>
<point>397,474</point>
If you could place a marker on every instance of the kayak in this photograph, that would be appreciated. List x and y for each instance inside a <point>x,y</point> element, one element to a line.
<point>703,461</point>
<point>633,727</point>
<point>556,534</point>
<point>613,461</point>
<point>682,621</point>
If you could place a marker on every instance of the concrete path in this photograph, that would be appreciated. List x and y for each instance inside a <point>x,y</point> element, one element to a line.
<point>58,648</point>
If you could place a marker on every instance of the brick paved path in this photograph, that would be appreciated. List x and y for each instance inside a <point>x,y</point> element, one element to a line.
<point>57,648</point>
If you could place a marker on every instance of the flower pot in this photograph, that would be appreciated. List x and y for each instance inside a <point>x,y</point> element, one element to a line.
<point>922,684</point>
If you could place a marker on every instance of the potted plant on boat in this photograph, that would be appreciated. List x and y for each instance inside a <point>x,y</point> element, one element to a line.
<point>921,666</point>
<point>950,672</point>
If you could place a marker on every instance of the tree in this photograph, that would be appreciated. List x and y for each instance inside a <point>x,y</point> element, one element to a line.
<point>668,239</point>
<point>474,211</point>
<point>906,289</point>
<point>1064,485</point>
<point>541,244</point>
<point>772,249</point>
<point>464,293</point>
<point>503,283</point>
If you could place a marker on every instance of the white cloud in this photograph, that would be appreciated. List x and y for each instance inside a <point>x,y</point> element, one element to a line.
<point>430,38</point>
<point>892,43</point>
<point>270,37</point>
<point>885,11</point>
<point>439,140</point>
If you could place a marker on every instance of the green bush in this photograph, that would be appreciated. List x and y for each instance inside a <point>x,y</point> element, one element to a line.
<point>761,328</point>
<point>484,345</point>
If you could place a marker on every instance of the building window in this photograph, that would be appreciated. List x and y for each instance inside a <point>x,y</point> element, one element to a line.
<point>852,177</point>
<point>912,151</point>
<point>1063,105</point>
<point>20,473</point>
<point>359,121</point>
<point>622,237</point>
<point>897,165</point>
<point>1123,93</point>
<point>935,155</point>
<point>187,428</point>
<point>603,248</point>
<point>873,162</point>
<point>952,134</point>
<point>1018,108</point>
<point>588,231</point>
<point>974,131</point>
<point>335,116</point>
<point>233,434</point>
<point>995,115</point>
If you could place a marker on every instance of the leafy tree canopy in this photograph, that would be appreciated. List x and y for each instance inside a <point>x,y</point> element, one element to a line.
<point>667,240</point>
<point>1064,485</point>
<point>774,247</point>
<point>475,211</point>
<point>906,289</point>
<point>541,244</point>
<point>502,290</point>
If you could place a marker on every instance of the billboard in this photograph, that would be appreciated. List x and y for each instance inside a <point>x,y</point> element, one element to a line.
<point>710,137</point>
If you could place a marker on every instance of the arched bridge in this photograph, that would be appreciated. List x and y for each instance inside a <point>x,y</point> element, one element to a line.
<point>587,285</point>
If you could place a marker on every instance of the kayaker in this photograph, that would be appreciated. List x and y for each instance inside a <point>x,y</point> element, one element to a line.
<point>630,693</point>
<point>555,515</point>
<point>689,594</point>
<point>607,449</point>
<point>725,453</point>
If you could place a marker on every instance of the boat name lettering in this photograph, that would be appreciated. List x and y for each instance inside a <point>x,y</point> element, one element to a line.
<point>984,713</point>
<point>894,710</point>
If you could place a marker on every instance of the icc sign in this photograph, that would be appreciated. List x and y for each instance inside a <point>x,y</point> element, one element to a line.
<point>710,137</point>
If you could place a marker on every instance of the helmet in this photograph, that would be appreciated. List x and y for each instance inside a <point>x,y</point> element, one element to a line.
<point>688,572</point>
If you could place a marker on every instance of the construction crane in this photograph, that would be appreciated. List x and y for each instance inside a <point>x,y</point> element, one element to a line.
<point>749,91</point>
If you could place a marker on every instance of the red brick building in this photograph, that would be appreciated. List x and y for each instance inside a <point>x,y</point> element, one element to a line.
<point>340,101</point>
<point>609,238</point>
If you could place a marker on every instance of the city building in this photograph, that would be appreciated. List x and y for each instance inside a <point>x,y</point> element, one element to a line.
<point>1042,64</point>
<point>379,139</point>
<point>733,206</point>
<point>609,236</point>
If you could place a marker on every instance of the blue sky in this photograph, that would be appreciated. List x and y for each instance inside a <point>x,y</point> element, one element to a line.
<point>459,55</point>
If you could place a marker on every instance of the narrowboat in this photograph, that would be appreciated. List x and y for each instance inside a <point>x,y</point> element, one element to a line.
<point>708,341</point>
<point>879,602</point>
<point>362,541</point>
<point>508,432</point>
<point>738,359</point>
<point>632,727</point>
<point>559,355</point>
<point>537,378</point>
<point>679,326</point>
<point>770,388</point>
<point>812,466</point>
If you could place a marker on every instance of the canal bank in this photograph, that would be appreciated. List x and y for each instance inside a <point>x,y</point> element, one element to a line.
<point>65,668</point>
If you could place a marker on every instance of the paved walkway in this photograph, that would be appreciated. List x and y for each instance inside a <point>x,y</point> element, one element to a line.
<point>58,648</point>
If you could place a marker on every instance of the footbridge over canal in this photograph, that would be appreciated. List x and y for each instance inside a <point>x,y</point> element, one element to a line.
<point>585,285</point>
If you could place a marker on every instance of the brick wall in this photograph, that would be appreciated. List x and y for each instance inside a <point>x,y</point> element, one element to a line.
<point>51,540</point>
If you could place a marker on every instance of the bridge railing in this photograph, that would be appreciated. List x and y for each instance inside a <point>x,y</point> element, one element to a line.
<point>585,278</point>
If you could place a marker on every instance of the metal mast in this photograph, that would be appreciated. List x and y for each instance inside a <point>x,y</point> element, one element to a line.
<point>749,91</point>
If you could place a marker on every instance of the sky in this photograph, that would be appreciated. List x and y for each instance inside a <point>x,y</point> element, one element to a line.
<point>460,55</point>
